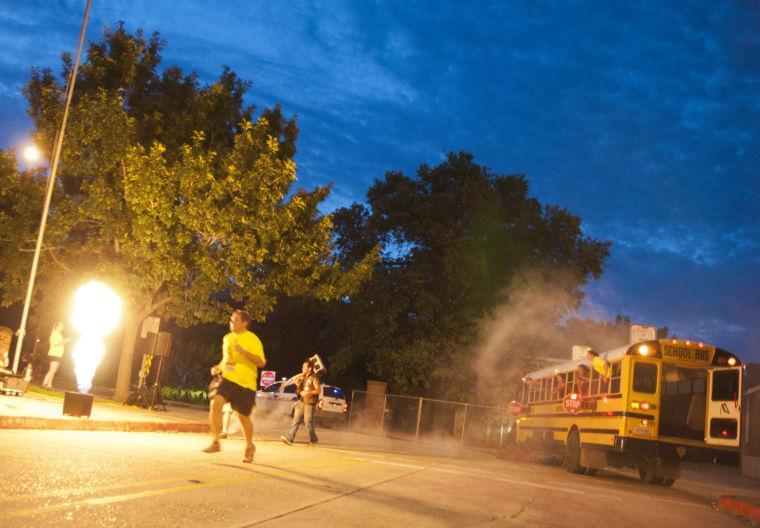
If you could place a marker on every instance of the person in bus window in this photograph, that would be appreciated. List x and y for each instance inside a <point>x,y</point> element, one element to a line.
<point>582,379</point>
<point>601,367</point>
<point>558,391</point>
<point>598,364</point>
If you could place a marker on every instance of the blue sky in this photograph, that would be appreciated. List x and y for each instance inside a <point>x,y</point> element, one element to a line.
<point>641,117</point>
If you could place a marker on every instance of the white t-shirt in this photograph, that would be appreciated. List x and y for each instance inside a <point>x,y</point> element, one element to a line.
<point>56,344</point>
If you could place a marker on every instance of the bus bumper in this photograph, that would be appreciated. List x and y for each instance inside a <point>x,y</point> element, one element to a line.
<point>673,451</point>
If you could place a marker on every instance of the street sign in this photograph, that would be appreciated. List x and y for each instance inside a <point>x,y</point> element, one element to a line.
<point>268,377</point>
<point>573,403</point>
<point>579,352</point>
<point>515,408</point>
<point>151,324</point>
<point>642,333</point>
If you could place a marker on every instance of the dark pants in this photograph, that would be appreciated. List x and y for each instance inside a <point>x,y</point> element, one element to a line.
<point>303,411</point>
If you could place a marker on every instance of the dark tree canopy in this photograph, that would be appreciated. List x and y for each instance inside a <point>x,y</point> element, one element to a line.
<point>453,237</point>
<point>168,106</point>
<point>172,192</point>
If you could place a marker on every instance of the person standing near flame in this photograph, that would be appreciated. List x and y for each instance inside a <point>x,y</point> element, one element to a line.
<point>242,357</point>
<point>308,389</point>
<point>55,353</point>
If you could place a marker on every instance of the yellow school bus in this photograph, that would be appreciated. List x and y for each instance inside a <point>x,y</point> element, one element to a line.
<point>654,404</point>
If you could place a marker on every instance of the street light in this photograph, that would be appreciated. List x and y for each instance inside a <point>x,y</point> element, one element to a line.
<point>31,153</point>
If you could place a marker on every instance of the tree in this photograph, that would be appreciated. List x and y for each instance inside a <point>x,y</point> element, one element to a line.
<point>166,195</point>
<point>454,239</point>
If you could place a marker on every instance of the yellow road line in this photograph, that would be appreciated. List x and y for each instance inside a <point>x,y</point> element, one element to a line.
<point>91,489</point>
<point>130,496</point>
<point>111,499</point>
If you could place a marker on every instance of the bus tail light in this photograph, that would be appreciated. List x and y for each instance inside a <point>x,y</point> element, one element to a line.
<point>731,361</point>
<point>644,350</point>
<point>634,405</point>
<point>644,406</point>
<point>345,408</point>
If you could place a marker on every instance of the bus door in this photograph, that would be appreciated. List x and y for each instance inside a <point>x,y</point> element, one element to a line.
<point>724,406</point>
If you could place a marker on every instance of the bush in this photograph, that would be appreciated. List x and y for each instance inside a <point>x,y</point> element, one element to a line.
<point>181,394</point>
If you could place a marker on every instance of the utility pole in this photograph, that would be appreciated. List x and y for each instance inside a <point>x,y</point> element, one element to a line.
<point>49,192</point>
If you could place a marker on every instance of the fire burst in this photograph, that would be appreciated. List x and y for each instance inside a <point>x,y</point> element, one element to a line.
<point>96,312</point>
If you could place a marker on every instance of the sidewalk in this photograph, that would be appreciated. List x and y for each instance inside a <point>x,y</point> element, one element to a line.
<point>43,409</point>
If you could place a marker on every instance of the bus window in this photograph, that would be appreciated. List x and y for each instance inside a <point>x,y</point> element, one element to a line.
<point>533,388</point>
<point>724,385</point>
<point>594,389</point>
<point>570,382</point>
<point>582,377</point>
<point>559,386</point>
<point>615,378</point>
<point>645,377</point>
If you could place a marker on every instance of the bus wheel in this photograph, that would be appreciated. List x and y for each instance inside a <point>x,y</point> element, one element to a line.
<point>668,481</point>
<point>572,459</point>
<point>647,472</point>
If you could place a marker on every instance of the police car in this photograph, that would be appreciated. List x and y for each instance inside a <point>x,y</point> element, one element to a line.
<point>275,401</point>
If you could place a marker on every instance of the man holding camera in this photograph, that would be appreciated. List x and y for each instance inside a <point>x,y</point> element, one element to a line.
<point>308,389</point>
<point>242,357</point>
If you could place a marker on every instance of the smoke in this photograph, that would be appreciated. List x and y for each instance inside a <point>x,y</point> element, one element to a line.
<point>533,328</point>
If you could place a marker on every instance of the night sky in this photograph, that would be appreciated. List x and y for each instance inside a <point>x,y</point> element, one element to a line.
<point>641,117</point>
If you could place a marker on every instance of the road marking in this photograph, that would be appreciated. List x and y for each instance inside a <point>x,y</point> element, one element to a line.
<point>334,497</point>
<point>398,464</point>
<point>91,489</point>
<point>517,482</point>
<point>578,489</point>
<point>129,496</point>
<point>99,501</point>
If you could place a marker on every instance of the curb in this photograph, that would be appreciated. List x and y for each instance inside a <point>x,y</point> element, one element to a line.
<point>738,507</point>
<point>29,422</point>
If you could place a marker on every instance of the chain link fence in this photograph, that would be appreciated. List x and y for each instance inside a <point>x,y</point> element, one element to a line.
<point>415,418</point>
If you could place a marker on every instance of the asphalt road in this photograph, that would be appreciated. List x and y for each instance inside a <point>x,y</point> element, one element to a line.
<point>83,479</point>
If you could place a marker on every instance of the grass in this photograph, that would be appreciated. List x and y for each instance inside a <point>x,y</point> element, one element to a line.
<point>187,395</point>
<point>178,394</point>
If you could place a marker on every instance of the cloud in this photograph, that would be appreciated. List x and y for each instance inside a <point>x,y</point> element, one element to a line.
<point>641,118</point>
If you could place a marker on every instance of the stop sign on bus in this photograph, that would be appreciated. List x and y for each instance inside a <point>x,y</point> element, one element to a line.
<point>573,403</point>
<point>268,377</point>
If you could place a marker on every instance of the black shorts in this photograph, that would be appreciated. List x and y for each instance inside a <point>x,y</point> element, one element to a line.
<point>241,399</point>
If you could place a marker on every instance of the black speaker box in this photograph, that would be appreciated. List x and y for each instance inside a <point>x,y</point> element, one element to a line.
<point>163,345</point>
<point>77,404</point>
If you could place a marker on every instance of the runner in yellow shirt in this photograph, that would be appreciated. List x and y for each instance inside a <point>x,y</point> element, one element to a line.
<point>242,356</point>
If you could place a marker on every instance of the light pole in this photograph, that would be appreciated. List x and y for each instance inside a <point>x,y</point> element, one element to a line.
<point>49,191</point>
